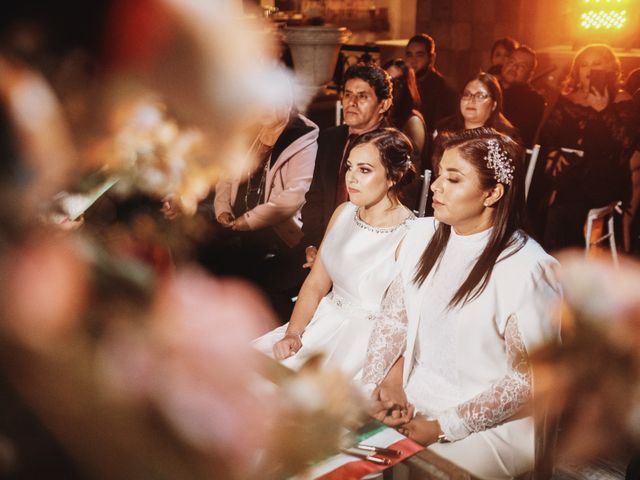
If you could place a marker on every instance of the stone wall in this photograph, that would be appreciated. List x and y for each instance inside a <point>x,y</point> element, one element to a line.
<point>464,31</point>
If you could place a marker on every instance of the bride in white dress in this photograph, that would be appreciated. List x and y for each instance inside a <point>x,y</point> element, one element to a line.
<point>462,316</point>
<point>338,302</point>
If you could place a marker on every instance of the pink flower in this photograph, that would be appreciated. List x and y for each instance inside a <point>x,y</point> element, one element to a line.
<point>45,291</point>
<point>194,362</point>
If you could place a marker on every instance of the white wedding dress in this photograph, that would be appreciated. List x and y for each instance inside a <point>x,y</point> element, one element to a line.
<point>360,259</point>
<point>467,366</point>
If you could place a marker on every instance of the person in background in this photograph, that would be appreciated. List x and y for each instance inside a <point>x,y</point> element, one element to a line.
<point>405,114</point>
<point>438,98</point>
<point>632,83</point>
<point>337,304</point>
<point>587,141</point>
<point>366,100</point>
<point>523,105</point>
<point>480,106</point>
<point>457,330</point>
<point>259,213</point>
<point>406,117</point>
<point>500,51</point>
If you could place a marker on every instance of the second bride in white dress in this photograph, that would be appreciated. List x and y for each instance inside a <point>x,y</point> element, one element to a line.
<point>338,302</point>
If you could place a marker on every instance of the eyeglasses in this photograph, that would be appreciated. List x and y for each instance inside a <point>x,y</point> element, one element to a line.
<point>478,96</point>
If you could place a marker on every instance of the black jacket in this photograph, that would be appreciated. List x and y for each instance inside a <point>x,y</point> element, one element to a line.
<point>523,107</point>
<point>438,99</point>
<point>320,199</point>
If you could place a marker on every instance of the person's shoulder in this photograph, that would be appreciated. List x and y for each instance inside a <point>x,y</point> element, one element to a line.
<point>415,124</point>
<point>345,209</point>
<point>434,75</point>
<point>417,113</point>
<point>421,228</point>
<point>300,122</point>
<point>299,130</point>
<point>332,138</point>
<point>622,96</point>
<point>450,123</point>
<point>525,90</point>
<point>525,255</point>
<point>334,132</point>
<point>441,82</point>
<point>419,234</point>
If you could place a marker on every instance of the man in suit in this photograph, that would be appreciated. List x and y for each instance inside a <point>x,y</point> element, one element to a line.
<point>522,104</point>
<point>439,100</point>
<point>366,99</point>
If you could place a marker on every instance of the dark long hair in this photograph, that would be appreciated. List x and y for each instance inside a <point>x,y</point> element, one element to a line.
<point>406,97</point>
<point>473,146</point>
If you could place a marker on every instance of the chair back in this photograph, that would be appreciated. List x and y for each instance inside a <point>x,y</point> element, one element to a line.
<point>339,117</point>
<point>532,159</point>
<point>606,214</point>
<point>424,192</point>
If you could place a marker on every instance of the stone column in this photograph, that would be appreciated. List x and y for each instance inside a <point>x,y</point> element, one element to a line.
<point>315,51</point>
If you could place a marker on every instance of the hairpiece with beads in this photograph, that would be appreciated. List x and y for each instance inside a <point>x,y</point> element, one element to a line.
<point>498,161</point>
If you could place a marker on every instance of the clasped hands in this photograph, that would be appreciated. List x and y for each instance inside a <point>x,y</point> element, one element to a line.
<point>390,406</point>
<point>227,220</point>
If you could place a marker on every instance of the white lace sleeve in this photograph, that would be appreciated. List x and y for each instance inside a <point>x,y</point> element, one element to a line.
<point>505,397</point>
<point>389,335</point>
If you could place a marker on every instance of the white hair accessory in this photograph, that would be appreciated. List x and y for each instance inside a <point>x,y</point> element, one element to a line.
<point>498,161</point>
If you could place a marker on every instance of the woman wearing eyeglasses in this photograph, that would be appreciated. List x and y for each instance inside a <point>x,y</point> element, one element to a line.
<point>480,106</point>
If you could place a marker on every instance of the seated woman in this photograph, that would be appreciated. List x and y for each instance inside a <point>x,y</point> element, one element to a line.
<point>480,106</point>
<point>405,116</point>
<point>460,319</point>
<point>259,213</point>
<point>336,308</point>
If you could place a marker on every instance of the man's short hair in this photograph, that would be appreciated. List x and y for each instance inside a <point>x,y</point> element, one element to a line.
<point>508,43</point>
<point>375,76</point>
<point>426,40</point>
<point>530,51</point>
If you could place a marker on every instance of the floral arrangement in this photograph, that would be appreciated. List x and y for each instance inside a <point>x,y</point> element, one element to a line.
<point>151,153</point>
<point>589,384</point>
<point>142,372</point>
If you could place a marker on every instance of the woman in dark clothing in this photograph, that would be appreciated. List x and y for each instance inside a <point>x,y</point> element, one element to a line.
<point>405,114</point>
<point>406,117</point>
<point>480,106</point>
<point>587,141</point>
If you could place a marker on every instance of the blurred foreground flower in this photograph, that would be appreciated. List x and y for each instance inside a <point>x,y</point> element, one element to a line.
<point>174,388</point>
<point>590,384</point>
<point>314,409</point>
<point>140,374</point>
<point>180,109</point>
<point>151,153</point>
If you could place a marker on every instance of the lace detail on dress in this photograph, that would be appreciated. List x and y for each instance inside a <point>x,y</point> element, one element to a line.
<point>388,337</point>
<point>501,401</point>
